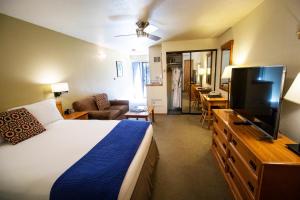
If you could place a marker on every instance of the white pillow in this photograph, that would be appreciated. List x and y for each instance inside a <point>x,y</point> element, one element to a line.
<point>45,111</point>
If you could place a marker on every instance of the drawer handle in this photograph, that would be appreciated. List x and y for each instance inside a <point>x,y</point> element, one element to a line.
<point>217,121</point>
<point>233,159</point>
<point>216,132</point>
<point>224,146</point>
<point>234,142</point>
<point>225,131</point>
<point>252,165</point>
<point>250,186</point>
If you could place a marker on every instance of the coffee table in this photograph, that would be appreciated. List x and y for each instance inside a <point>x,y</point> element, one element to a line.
<point>143,115</point>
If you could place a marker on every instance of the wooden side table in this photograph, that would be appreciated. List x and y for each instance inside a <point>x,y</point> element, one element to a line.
<point>77,115</point>
<point>151,111</point>
<point>145,115</point>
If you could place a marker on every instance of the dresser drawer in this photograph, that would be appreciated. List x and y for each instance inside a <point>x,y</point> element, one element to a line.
<point>235,178</point>
<point>221,125</point>
<point>220,147</point>
<point>247,176</point>
<point>245,154</point>
<point>220,153</point>
<point>218,122</point>
<point>221,138</point>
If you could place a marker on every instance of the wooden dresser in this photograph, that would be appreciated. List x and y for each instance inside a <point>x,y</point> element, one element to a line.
<point>254,169</point>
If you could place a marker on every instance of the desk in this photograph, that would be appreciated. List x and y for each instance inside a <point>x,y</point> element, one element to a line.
<point>220,102</point>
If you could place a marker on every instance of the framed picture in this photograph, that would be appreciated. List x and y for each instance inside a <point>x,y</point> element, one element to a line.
<point>119,68</point>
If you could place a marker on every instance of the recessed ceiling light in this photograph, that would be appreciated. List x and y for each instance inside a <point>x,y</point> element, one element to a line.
<point>150,29</point>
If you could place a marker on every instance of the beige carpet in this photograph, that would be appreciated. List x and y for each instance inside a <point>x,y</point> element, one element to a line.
<point>186,169</point>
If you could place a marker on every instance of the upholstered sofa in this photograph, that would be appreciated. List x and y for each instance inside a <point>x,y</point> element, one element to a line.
<point>99,107</point>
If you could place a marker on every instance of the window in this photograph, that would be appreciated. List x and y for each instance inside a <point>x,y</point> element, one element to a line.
<point>141,77</point>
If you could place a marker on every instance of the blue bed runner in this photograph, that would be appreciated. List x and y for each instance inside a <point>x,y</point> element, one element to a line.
<point>99,174</point>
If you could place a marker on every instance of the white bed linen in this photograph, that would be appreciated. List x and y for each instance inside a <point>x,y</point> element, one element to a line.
<point>29,169</point>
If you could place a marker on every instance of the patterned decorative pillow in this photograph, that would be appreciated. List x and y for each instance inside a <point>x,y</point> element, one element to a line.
<point>19,125</point>
<point>102,101</point>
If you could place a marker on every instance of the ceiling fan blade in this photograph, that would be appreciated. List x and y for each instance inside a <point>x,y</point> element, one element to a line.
<point>153,37</point>
<point>148,9</point>
<point>125,35</point>
<point>122,17</point>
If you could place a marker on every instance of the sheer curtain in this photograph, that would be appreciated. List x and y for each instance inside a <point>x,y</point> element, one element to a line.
<point>138,82</point>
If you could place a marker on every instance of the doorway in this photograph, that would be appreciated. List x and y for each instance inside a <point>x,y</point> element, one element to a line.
<point>187,72</point>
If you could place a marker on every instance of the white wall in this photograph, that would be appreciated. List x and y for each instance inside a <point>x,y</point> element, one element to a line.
<point>139,58</point>
<point>268,37</point>
<point>154,92</point>
<point>155,67</point>
<point>33,57</point>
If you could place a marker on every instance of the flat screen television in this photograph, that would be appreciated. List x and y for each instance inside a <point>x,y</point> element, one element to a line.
<point>256,94</point>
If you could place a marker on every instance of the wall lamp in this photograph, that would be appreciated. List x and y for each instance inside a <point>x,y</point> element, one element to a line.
<point>59,88</point>
<point>227,75</point>
<point>293,95</point>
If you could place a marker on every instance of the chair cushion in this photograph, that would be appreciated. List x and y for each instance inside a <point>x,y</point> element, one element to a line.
<point>87,104</point>
<point>18,125</point>
<point>114,114</point>
<point>122,108</point>
<point>102,101</point>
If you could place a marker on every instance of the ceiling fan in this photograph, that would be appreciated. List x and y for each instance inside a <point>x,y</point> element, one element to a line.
<point>144,29</point>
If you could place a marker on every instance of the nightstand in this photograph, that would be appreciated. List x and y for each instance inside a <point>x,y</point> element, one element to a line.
<point>77,115</point>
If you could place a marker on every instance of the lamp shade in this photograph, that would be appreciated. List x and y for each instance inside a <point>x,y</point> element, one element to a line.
<point>60,87</point>
<point>293,94</point>
<point>227,72</point>
<point>201,71</point>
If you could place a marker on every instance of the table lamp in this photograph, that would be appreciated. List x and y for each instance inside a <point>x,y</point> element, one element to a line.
<point>201,72</point>
<point>293,95</point>
<point>59,88</point>
<point>227,75</point>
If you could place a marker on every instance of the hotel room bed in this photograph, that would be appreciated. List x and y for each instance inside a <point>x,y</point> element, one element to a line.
<point>29,169</point>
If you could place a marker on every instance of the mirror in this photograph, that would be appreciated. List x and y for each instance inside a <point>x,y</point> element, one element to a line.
<point>208,68</point>
<point>226,59</point>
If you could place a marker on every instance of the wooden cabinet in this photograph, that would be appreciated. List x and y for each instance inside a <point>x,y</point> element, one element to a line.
<point>253,168</point>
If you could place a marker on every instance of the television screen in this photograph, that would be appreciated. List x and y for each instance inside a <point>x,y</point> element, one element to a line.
<point>256,94</point>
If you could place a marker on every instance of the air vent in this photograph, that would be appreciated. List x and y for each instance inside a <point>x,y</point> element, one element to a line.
<point>156,59</point>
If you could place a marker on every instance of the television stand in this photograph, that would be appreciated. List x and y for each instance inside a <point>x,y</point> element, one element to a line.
<point>265,137</point>
<point>252,168</point>
<point>246,123</point>
<point>258,137</point>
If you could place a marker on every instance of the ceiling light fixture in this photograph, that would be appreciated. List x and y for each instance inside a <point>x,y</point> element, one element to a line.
<point>150,29</point>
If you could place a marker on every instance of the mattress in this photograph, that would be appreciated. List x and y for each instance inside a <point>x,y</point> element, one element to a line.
<point>29,169</point>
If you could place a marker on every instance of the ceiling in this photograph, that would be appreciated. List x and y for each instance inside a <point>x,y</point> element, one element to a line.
<point>98,21</point>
